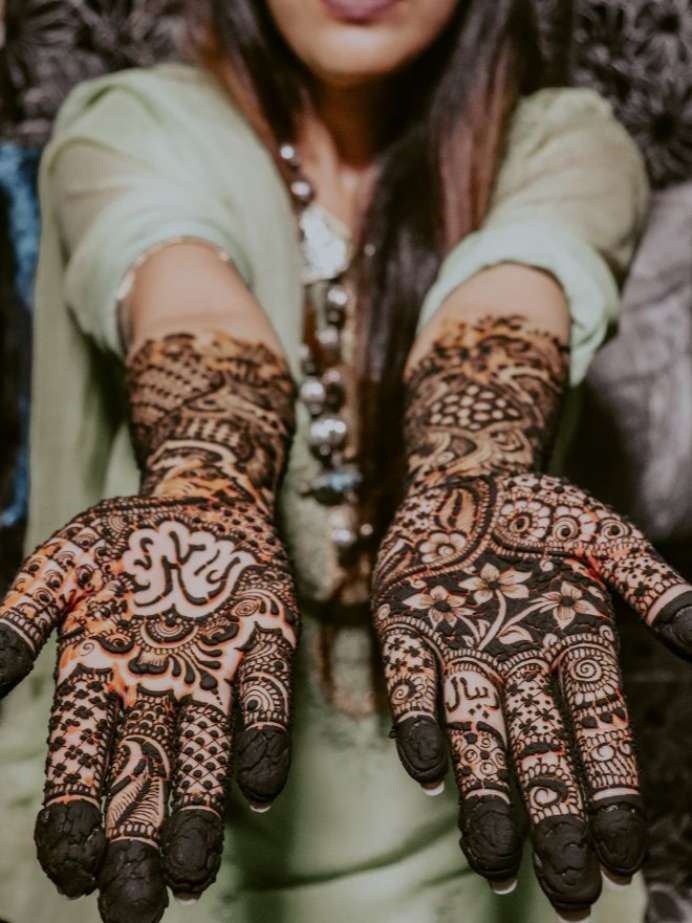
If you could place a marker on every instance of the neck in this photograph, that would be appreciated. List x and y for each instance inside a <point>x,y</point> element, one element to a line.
<point>340,138</point>
<point>351,120</point>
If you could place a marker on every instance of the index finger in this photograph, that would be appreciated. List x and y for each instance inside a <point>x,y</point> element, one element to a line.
<point>263,745</point>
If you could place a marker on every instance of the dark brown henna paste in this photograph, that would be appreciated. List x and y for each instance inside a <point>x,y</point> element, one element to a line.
<point>565,864</point>
<point>70,843</point>
<point>131,884</point>
<point>192,845</point>
<point>674,625</point>
<point>485,399</point>
<point>264,757</point>
<point>490,585</point>
<point>422,748</point>
<point>166,603</point>
<point>16,659</point>
<point>491,839</point>
<point>619,833</point>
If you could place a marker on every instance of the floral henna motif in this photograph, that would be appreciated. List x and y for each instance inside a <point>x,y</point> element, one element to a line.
<point>490,597</point>
<point>171,607</point>
<point>519,605</point>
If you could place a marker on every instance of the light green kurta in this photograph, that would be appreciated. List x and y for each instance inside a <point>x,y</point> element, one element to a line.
<point>143,156</point>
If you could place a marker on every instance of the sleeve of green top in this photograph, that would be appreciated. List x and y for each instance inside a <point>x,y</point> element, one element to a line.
<point>571,198</point>
<point>119,186</point>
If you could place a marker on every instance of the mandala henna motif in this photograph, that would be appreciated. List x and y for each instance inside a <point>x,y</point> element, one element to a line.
<point>490,592</point>
<point>171,606</point>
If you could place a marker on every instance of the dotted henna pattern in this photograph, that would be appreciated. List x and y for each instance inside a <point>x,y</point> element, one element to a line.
<point>171,607</point>
<point>484,400</point>
<point>490,599</point>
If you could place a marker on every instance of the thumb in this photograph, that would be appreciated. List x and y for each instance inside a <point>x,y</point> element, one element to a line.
<point>47,584</point>
<point>672,622</point>
<point>629,563</point>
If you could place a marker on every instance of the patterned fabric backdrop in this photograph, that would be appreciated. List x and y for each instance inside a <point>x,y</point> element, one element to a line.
<point>638,399</point>
<point>638,53</point>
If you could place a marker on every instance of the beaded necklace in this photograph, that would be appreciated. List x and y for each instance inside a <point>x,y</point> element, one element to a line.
<point>324,389</point>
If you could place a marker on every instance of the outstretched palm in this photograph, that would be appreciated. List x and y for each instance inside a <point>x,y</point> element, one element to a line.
<point>170,607</point>
<point>489,589</point>
<point>164,609</point>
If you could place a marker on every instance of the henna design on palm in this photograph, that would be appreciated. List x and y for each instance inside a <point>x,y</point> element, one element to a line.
<point>171,607</point>
<point>494,617</point>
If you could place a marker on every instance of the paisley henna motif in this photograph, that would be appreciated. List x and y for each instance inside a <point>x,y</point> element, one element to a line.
<point>170,606</point>
<point>491,598</point>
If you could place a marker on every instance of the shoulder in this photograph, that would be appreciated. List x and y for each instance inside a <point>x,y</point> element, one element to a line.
<point>162,90</point>
<point>567,152</point>
<point>169,104</point>
<point>567,125</point>
<point>555,109</point>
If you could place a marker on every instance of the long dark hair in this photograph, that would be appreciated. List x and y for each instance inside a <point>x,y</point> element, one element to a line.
<point>435,176</point>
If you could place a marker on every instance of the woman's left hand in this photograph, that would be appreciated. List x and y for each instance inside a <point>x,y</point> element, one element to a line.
<point>495,620</point>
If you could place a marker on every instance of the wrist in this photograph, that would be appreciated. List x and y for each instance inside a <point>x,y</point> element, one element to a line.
<point>484,400</point>
<point>211,417</point>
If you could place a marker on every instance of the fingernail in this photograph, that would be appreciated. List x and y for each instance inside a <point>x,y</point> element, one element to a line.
<point>260,808</point>
<point>433,790</point>
<point>186,898</point>
<point>578,917</point>
<point>503,887</point>
<point>615,882</point>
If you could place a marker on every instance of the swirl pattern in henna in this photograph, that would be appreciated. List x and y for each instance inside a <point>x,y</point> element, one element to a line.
<point>484,399</point>
<point>491,587</point>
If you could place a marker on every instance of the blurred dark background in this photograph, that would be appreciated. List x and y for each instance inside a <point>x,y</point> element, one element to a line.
<point>634,445</point>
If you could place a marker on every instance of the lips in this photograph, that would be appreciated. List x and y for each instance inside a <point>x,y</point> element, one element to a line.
<point>358,10</point>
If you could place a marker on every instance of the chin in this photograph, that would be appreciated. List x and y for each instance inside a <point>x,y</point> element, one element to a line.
<point>348,60</point>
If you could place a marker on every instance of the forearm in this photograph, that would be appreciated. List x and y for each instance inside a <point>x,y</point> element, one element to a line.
<point>500,290</point>
<point>484,391</point>
<point>211,416</point>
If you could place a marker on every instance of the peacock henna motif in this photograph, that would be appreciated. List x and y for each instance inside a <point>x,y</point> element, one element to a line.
<point>174,609</point>
<point>484,399</point>
<point>491,599</point>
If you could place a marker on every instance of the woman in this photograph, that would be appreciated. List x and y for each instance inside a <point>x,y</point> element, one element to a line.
<point>458,235</point>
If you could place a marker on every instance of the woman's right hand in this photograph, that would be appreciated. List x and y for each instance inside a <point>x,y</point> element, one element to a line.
<point>170,607</point>
<point>168,611</point>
